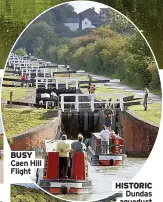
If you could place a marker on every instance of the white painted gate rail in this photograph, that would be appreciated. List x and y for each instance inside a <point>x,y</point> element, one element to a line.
<point>92,101</point>
<point>55,80</point>
<point>45,80</point>
<point>66,81</point>
<point>37,70</point>
<point>19,61</point>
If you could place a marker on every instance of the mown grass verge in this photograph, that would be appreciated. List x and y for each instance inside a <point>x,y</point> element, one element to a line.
<point>17,121</point>
<point>18,93</point>
<point>107,90</point>
<point>153,114</point>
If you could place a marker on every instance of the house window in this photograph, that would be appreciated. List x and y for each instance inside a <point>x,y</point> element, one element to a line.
<point>85,23</point>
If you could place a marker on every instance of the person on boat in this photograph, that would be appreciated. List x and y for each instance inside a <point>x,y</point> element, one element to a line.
<point>108,117</point>
<point>64,148</point>
<point>77,146</point>
<point>146,93</point>
<point>105,135</point>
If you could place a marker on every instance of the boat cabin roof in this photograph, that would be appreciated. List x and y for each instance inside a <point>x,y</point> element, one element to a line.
<point>51,145</point>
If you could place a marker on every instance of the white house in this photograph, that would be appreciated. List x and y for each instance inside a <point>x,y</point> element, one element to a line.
<point>74,24</point>
<point>87,24</point>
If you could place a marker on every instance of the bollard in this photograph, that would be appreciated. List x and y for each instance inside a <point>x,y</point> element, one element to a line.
<point>11,94</point>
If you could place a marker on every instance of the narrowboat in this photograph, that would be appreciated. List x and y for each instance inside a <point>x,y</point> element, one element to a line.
<point>78,183</point>
<point>115,155</point>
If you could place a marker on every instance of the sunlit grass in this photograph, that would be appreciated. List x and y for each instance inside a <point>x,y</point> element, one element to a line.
<point>18,93</point>
<point>153,114</point>
<point>108,90</point>
<point>17,121</point>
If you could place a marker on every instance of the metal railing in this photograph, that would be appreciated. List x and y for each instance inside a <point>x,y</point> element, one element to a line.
<point>119,149</point>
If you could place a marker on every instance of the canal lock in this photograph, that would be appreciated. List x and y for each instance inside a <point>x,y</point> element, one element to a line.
<point>85,121</point>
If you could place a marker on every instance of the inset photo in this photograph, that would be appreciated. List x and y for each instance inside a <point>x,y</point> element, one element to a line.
<point>81,88</point>
<point>29,192</point>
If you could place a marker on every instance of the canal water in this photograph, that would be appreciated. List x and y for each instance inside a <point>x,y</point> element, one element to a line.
<point>102,178</point>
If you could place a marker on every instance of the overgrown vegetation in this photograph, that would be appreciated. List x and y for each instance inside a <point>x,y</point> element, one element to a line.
<point>16,15</point>
<point>105,51</point>
<point>23,194</point>
<point>18,93</point>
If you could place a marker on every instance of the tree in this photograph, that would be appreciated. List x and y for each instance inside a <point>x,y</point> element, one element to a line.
<point>20,51</point>
<point>64,54</point>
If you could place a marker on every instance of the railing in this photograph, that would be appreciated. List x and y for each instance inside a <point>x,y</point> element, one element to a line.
<point>52,104</point>
<point>37,70</point>
<point>48,80</point>
<point>98,147</point>
<point>66,81</point>
<point>28,70</point>
<point>91,100</point>
<point>44,80</point>
<point>18,61</point>
<point>108,149</point>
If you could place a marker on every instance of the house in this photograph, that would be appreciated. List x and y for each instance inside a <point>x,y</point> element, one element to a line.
<point>88,18</point>
<point>78,23</point>
<point>86,24</point>
<point>72,23</point>
<point>91,15</point>
<point>105,15</point>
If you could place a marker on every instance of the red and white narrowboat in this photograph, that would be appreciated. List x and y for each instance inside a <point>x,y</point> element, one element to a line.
<point>115,155</point>
<point>78,182</point>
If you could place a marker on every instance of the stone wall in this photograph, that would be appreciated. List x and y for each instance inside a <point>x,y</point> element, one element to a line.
<point>139,135</point>
<point>34,139</point>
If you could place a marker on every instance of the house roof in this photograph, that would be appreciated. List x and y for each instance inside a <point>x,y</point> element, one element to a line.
<point>90,14</point>
<point>85,19</point>
<point>72,20</point>
<point>88,10</point>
